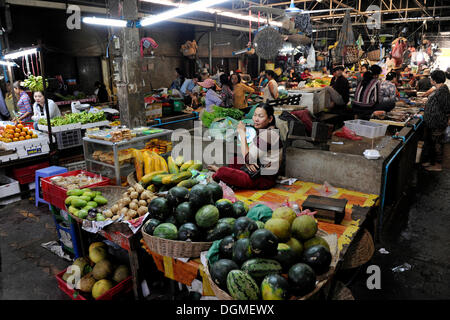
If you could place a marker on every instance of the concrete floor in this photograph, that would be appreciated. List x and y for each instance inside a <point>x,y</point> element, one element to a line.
<point>418,234</point>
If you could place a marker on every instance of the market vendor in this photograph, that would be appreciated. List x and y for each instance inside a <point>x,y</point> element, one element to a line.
<point>270,91</point>
<point>23,103</point>
<point>212,96</point>
<point>262,157</point>
<point>189,84</point>
<point>388,93</point>
<point>338,90</point>
<point>226,93</point>
<point>293,76</point>
<point>39,109</point>
<point>367,93</point>
<point>239,92</point>
<point>424,84</point>
<point>437,111</point>
<point>359,75</point>
<point>178,82</point>
<point>306,74</point>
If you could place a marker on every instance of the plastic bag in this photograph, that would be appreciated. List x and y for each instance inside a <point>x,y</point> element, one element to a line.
<point>260,212</point>
<point>347,134</point>
<point>311,60</point>
<point>326,190</point>
<point>228,193</point>
<point>213,252</point>
<point>224,129</point>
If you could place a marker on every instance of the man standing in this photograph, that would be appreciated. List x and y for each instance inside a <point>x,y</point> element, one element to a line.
<point>339,89</point>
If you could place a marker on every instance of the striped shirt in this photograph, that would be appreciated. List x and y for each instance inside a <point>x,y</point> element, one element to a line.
<point>24,105</point>
<point>367,96</point>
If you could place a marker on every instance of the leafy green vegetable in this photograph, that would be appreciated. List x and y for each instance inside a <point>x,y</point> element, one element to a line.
<point>219,112</point>
<point>82,117</point>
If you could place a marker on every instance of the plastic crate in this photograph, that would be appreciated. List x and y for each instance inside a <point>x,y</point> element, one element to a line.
<point>121,288</point>
<point>56,195</point>
<point>366,128</point>
<point>26,174</point>
<point>79,165</point>
<point>8,187</point>
<point>68,139</point>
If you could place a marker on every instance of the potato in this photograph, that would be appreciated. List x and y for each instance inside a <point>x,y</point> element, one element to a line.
<point>142,210</point>
<point>134,206</point>
<point>126,218</point>
<point>142,203</point>
<point>108,213</point>
<point>130,190</point>
<point>132,213</point>
<point>139,188</point>
<point>134,195</point>
<point>115,208</point>
<point>124,210</point>
<point>126,201</point>
<point>125,195</point>
<point>146,195</point>
<point>114,218</point>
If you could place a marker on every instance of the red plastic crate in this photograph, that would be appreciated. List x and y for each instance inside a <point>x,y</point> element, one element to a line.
<point>26,174</point>
<point>123,287</point>
<point>56,195</point>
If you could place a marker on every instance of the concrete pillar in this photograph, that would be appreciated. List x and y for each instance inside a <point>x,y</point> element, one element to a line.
<point>132,82</point>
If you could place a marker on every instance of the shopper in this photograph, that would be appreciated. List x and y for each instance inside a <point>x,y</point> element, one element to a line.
<point>339,90</point>
<point>204,74</point>
<point>435,117</point>
<point>239,92</point>
<point>189,85</point>
<point>23,103</point>
<point>262,157</point>
<point>424,84</point>
<point>101,92</point>
<point>388,93</point>
<point>270,91</point>
<point>212,97</point>
<point>226,93</point>
<point>262,80</point>
<point>178,82</point>
<point>293,76</point>
<point>39,109</point>
<point>306,74</point>
<point>359,76</point>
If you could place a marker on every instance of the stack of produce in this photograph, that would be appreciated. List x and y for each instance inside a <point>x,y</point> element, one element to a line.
<point>276,262</point>
<point>133,204</point>
<point>83,204</point>
<point>14,133</point>
<point>218,113</point>
<point>167,175</point>
<point>98,272</point>
<point>75,182</point>
<point>71,118</point>
<point>159,146</point>
<point>318,83</point>
<point>198,215</point>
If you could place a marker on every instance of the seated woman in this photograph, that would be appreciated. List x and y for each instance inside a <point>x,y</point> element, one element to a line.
<point>39,109</point>
<point>388,93</point>
<point>212,97</point>
<point>262,157</point>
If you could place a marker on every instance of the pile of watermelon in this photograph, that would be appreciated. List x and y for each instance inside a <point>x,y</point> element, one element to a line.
<point>198,215</point>
<point>273,261</point>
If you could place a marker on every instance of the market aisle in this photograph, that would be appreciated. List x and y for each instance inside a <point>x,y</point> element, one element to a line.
<point>27,269</point>
<point>420,237</point>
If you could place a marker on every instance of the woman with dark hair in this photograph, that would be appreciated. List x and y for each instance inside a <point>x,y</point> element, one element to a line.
<point>239,91</point>
<point>226,93</point>
<point>366,95</point>
<point>270,91</point>
<point>39,109</point>
<point>101,92</point>
<point>437,111</point>
<point>24,103</point>
<point>261,158</point>
<point>179,80</point>
<point>388,93</point>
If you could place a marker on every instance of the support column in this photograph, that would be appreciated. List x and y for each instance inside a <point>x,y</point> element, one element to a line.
<point>132,81</point>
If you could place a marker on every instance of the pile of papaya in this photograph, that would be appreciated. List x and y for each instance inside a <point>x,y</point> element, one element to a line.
<point>83,204</point>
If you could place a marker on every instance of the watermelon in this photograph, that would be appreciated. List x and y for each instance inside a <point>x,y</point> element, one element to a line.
<point>207,216</point>
<point>318,258</point>
<point>150,225</point>
<point>286,256</point>
<point>177,195</point>
<point>225,207</point>
<point>172,220</point>
<point>244,227</point>
<point>159,208</point>
<point>263,243</point>
<point>260,224</point>
<point>280,228</point>
<point>219,272</point>
<point>296,245</point>
<point>200,196</point>
<point>166,231</point>
<point>242,251</point>
<point>241,286</point>
<point>230,221</point>
<point>304,228</point>
<point>240,209</point>
<point>259,268</point>
<point>274,287</point>
<point>215,190</point>
<point>315,241</point>
<point>226,247</point>
<point>184,213</point>
<point>220,231</point>
<point>302,279</point>
<point>188,231</point>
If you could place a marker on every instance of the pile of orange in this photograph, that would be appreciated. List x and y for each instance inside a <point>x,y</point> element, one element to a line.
<point>15,133</point>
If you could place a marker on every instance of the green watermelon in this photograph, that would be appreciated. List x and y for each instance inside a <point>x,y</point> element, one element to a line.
<point>286,256</point>
<point>304,228</point>
<point>200,196</point>
<point>244,227</point>
<point>150,225</point>
<point>242,251</point>
<point>241,286</point>
<point>220,231</point>
<point>230,221</point>
<point>166,231</point>
<point>172,220</point>
<point>159,208</point>
<point>296,245</point>
<point>274,287</point>
<point>318,258</point>
<point>225,207</point>
<point>240,209</point>
<point>219,272</point>
<point>263,243</point>
<point>207,216</point>
<point>226,247</point>
<point>188,231</point>
<point>177,195</point>
<point>302,279</point>
<point>184,213</point>
<point>259,268</point>
<point>315,241</point>
<point>215,190</point>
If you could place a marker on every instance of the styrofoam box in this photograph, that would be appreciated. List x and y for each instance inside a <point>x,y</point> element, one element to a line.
<point>10,189</point>
<point>32,185</point>
<point>9,200</point>
<point>95,124</point>
<point>65,127</point>
<point>366,128</point>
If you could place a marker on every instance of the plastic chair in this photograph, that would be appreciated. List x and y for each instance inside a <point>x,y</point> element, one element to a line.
<point>44,173</point>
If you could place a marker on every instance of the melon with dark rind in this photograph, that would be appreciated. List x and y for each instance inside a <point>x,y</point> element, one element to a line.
<point>242,251</point>
<point>263,243</point>
<point>225,207</point>
<point>274,287</point>
<point>280,228</point>
<point>166,231</point>
<point>219,272</point>
<point>316,240</point>
<point>200,196</point>
<point>226,247</point>
<point>318,258</point>
<point>304,227</point>
<point>177,195</point>
<point>184,213</point>
<point>241,286</point>
<point>215,190</point>
<point>258,268</point>
<point>159,208</point>
<point>188,231</point>
<point>302,279</point>
<point>240,209</point>
<point>230,221</point>
<point>244,227</point>
<point>220,231</point>
<point>207,216</point>
<point>150,226</point>
<point>286,256</point>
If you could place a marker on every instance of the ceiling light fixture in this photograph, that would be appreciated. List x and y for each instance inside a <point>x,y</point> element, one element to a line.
<point>105,22</point>
<point>19,54</point>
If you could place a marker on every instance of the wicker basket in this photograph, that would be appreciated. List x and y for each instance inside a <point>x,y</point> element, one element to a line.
<point>131,179</point>
<point>360,252</point>
<point>322,279</point>
<point>174,248</point>
<point>373,55</point>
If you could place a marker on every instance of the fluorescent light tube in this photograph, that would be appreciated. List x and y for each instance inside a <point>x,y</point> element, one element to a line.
<point>105,22</point>
<point>19,54</point>
<point>7,63</point>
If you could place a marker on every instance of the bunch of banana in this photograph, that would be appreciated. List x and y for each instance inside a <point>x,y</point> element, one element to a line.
<point>34,83</point>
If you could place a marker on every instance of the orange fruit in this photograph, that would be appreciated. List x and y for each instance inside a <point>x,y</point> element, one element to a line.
<point>24,129</point>
<point>27,137</point>
<point>34,136</point>
<point>16,139</point>
<point>20,126</point>
<point>17,130</point>
<point>23,134</point>
<point>8,140</point>
<point>16,135</point>
<point>22,138</point>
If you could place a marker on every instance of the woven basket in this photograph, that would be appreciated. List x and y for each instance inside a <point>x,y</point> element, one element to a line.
<point>322,279</point>
<point>360,252</point>
<point>373,55</point>
<point>174,248</point>
<point>131,179</point>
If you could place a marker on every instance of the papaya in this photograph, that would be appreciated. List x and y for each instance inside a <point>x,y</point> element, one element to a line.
<point>149,162</point>
<point>158,178</point>
<point>186,165</point>
<point>196,166</point>
<point>78,203</point>
<point>100,200</point>
<point>138,164</point>
<point>148,177</point>
<point>167,179</point>
<point>173,168</point>
<point>69,199</point>
<point>189,183</point>
<point>75,192</point>
<point>177,178</point>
